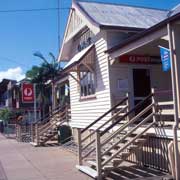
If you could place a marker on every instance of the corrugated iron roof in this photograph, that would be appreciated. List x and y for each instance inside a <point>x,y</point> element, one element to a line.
<point>122,15</point>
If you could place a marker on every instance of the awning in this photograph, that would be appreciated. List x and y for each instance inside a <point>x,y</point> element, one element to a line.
<point>78,58</point>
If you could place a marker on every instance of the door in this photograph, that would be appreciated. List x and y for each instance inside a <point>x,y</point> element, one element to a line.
<point>142,86</point>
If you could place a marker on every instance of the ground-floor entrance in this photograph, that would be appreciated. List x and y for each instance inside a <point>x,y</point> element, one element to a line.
<point>141,86</point>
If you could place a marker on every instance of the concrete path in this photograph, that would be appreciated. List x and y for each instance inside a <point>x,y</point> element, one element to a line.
<point>21,161</point>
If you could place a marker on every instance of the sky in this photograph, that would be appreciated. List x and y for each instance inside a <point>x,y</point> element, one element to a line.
<point>24,33</point>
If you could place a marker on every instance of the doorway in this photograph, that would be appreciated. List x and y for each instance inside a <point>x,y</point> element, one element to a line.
<point>142,86</point>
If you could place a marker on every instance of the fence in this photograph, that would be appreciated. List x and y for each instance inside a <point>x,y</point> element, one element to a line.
<point>10,130</point>
<point>154,153</point>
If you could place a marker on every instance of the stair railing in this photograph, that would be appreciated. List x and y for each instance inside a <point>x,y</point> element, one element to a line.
<point>101,142</point>
<point>165,107</point>
<point>39,127</point>
<point>83,145</point>
<point>62,118</point>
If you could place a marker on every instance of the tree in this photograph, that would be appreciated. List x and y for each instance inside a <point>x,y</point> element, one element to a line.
<point>6,115</point>
<point>44,76</point>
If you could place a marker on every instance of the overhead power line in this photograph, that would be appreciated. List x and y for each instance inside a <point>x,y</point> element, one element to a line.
<point>31,10</point>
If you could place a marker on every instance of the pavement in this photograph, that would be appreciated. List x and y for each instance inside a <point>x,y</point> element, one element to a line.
<point>22,161</point>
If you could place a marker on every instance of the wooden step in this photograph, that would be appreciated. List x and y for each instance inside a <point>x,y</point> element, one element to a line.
<point>117,161</point>
<point>91,163</point>
<point>133,147</point>
<point>87,170</point>
<point>124,155</point>
<point>140,141</point>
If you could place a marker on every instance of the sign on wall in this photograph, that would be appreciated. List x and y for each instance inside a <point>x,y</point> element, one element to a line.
<point>27,93</point>
<point>138,59</point>
<point>165,58</point>
<point>123,85</point>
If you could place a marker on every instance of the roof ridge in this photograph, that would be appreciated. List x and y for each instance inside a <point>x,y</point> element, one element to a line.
<point>171,11</point>
<point>175,7</point>
<point>121,4</point>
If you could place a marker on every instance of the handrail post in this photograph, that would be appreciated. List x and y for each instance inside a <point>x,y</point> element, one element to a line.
<point>98,155</point>
<point>79,147</point>
<point>20,133</point>
<point>128,106</point>
<point>32,132</point>
<point>66,113</point>
<point>37,133</point>
<point>154,104</point>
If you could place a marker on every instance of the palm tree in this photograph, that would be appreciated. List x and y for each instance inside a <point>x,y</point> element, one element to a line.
<point>44,76</point>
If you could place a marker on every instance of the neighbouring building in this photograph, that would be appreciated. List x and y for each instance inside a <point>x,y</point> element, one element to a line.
<point>6,94</point>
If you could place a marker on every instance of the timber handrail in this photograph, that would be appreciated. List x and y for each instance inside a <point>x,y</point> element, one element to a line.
<point>62,119</point>
<point>106,113</point>
<point>131,141</point>
<point>121,129</point>
<point>133,120</point>
<point>127,114</point>
<point>100,127</point>
<point>51,114</point>
<point>129,133</point>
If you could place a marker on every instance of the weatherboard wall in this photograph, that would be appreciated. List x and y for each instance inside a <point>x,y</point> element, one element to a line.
<point>83,112</point>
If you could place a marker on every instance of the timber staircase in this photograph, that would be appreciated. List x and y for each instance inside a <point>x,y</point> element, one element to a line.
<point>47,129</point>
<point>109,145</point>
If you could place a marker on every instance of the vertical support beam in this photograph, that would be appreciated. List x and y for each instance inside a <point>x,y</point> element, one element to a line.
<point>37,133</point>
<point>154,103</point>
<point>79,147</point>
<point>53,95</point>
<point>98,156</point>
<point>17,132</point>
<point>174,88</point>
<point>32,132</point>
<point>20,133</point>
<point>128,106</point>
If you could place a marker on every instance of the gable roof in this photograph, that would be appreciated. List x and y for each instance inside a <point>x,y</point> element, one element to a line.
<point>105,14</point>
<point>173,15</point>
<point>112,16</point>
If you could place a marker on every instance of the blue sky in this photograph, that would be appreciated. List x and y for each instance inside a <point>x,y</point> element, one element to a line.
<point>23,33</point>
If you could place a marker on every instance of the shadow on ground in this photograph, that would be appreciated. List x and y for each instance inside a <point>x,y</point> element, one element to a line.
<point>136,172</point>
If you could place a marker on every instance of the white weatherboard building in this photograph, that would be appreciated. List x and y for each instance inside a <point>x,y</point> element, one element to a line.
<point>112,52</point>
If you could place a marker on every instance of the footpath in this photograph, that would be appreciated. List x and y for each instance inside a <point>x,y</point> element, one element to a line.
<point>21,161</point>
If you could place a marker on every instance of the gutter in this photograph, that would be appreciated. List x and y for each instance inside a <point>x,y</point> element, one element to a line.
<point>124,28</point>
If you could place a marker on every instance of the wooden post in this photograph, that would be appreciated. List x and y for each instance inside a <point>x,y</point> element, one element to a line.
<point>173,58</point>
<point>154,104</point>
<point>32,132</point>
<point>128,107</point>
<point>66,113</point>
<point>79,147</point>
<point>37,133</point>
<point>16,132</point>
<point>98,156</point>
<point>20,133</point>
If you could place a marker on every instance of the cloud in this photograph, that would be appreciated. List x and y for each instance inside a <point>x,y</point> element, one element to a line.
<point>12,73</point>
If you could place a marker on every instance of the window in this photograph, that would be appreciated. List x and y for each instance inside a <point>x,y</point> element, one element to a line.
<point>85,40</point>
<point>87,81</point>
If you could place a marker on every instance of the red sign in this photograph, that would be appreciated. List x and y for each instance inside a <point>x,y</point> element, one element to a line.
<point>27,93</point>
<point>138,59</point>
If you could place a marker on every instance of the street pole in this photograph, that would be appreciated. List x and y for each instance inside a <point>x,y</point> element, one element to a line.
<point>58,24</point>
